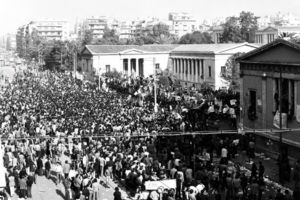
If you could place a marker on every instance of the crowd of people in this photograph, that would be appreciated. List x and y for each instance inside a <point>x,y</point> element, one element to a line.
<point>86,137</point>
<point>201,108</point>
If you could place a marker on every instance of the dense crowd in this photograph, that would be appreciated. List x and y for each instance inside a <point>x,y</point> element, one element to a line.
<point>84,136</point>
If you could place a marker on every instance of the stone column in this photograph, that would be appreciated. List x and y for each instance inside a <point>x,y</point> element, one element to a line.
<point>136,67</point>
<point>173,66</point>
<point>129,67</point>
<point>296,100</point>
<point>193,70</point>
<point>188,77</point>
<point>197,70</point>
<point>264,102</point>
<point>202,70</point>
<point>182,68</point>
<point>178,67</point>
<point>290,92</point>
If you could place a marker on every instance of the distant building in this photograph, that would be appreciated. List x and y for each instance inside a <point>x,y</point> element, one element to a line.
<point>9,41</point>
<point>196,64</point>
<point>269,34</point>
<point>51,29</point>
<point>125,30</point>
<point>97,25</point>
<point>216,33</point>
<point>182,23</point>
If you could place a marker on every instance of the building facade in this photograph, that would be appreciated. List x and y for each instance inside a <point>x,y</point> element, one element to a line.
<point>131,60</point>
<point>216,34</point>
<point>51,29</point>
<point>96,25</point>
<point>196,64</point>
<point>190,64</point>
<point>269,34</point>
<point>270,77</point>
<point>182,23</point>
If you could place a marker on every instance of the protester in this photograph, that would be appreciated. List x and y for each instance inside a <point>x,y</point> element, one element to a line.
<point>107,136</point>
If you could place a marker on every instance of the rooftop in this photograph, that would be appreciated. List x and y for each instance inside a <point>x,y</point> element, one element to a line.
<point>210,48</point>
<point>98,49</point>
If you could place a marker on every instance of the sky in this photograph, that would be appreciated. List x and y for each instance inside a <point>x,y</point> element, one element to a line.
<point>14,13</point>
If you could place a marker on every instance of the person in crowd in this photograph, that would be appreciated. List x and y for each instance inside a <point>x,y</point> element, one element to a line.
<point>47,168</point>
<point>103,133</point>
<point>117,194</point>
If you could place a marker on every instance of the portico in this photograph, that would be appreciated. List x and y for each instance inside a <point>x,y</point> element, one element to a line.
<point>133,66</point>
<point>188,69</point>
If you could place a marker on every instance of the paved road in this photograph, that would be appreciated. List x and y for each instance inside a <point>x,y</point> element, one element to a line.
<point>46,189</point>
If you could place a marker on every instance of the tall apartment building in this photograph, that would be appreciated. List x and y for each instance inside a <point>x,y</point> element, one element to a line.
<point>182,23</point>
<point>51,29</point>
<point>97,25</point>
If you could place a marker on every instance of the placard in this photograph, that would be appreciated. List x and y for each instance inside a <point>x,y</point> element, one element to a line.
<point>276,120</point>
<point>298,113</point>
<point>165,184</point>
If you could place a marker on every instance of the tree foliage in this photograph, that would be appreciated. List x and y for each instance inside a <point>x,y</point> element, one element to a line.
<point>249,25</point>
<point>196,38</point>
<point>232,31</point>
<point>110,37</point>
<point>113,74</point>
<point>158,34</point>
<point>240,29</point>
<point>232,71</point>
<point>86,37</point>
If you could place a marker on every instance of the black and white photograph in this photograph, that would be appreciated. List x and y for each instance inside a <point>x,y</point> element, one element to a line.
<point>149,100</point>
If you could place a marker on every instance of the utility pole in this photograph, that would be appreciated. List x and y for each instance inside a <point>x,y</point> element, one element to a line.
<point>60,59</point>
<point>74,64</point>
<point>155,92</point>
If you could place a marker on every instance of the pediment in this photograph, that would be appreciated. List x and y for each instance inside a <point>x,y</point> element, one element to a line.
<point>269,29</point>
<point>277,52</point>
<point>85,51</point>
<point>132,51</point>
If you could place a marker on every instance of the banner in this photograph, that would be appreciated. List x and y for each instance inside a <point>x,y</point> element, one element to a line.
<point>276,121</point>
<point>165,184</point>
<point>298,113</point>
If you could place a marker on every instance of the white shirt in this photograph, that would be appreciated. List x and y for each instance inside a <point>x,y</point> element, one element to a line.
<point>224,153</point>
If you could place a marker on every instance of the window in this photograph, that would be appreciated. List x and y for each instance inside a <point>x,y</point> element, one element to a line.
<point>209,71</point>
<point>157,66</point>
<point>107,68</point>
<point>223,70</point>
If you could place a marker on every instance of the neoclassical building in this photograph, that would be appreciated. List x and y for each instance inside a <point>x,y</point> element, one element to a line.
<point>270,80</point>
<point>191,64</point>
<point>132,60</point>
<point>198,63</point>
